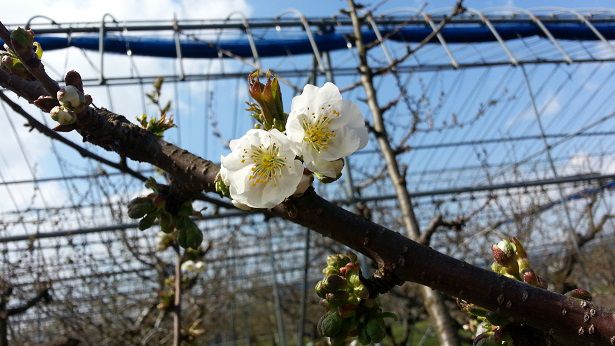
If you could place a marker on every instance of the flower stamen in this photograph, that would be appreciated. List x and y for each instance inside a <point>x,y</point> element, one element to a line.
<point>318,133</point>
<point>267,164</point>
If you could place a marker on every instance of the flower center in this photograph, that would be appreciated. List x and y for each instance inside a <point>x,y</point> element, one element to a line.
<point>267,164</point>
<point>317,133</point>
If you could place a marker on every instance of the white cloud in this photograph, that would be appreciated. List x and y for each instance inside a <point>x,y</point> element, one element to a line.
<point>91,10</point>
<point>582,162</point>
<point>550,106</point>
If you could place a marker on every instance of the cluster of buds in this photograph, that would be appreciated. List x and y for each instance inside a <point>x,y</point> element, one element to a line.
<point>152,209</point>
<point>510,260</point>
<point>488,326</point>
<point>72,100</point>
<point>268,109</point>
<point>350,311</point>
<point>157,125</point>
<point>23,41</point>
<point>166,296</point>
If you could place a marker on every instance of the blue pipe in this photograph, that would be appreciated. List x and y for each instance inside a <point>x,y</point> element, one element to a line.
<point>328,41</point>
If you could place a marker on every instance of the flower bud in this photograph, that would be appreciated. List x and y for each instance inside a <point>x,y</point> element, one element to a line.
<point>70,97</point>
<point>199,266</point>
<point>62,115</point>
<point>503,252</point>
<point>330,270</point>
<point>529,277</point>
<point>330,324</point>
<point>579,293</point>
<point>362,292</point>
<point>269,98</point>
<point>337,298</point>
<point>336,283</point>
<point>321,289</point>
<point>355,280</point>
<point>187,266</point>
<point>6,62</point>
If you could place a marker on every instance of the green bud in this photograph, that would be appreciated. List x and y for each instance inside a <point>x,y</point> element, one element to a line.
<point>375,329</point>
<point>355,280</point>
<point>336,283</point>
<point>138,207</point>
<point>147,221</point>
<point>269,99</point>
<point>338,298</point>
<point>329,270</point>
<point>361,292</point>
<point>321,289</point>
<point>332,260</point>
<point>330,324</point>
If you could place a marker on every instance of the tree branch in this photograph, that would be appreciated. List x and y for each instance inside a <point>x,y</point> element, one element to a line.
<point>41,295</point>
<point>458,9</point>
<point>40,127</point>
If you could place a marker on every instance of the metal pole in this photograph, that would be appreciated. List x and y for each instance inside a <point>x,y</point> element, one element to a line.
<point>276,292</point>
<point>306,267</point>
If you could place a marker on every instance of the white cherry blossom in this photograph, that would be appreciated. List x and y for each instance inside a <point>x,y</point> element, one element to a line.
<point>325,128</point>
<point>261,171</point>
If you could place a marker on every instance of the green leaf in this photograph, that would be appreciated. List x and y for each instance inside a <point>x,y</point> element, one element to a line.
<point>39,50</point>
<point>189,235</point>
<point>139,207</point>
<point>166,222</point>
<point>389,314</point>
<point>147,221</point>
